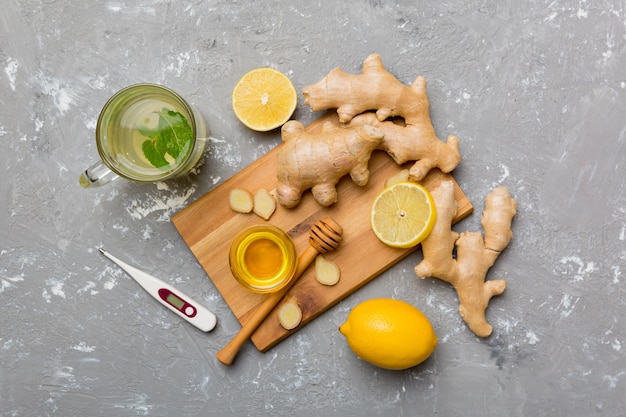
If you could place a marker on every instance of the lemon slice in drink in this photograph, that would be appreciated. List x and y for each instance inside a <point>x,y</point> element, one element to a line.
<point>403,214</point>
<point>264,99</point>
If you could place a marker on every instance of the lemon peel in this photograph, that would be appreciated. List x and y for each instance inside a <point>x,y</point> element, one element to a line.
<point>388,333</point>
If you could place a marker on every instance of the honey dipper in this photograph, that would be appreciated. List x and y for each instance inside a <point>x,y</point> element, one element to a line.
<point>324,236</point>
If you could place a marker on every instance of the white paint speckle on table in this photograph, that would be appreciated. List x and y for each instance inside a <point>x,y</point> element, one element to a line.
<point>89,287</point>
<point>532,338</point>
<point>576,268</point>
<point>567,305</point>
<point>165,204</point>
<point>110,277</point>
<point>617,273</point>
<point>83,347</point>
<point>62,96</point>
<point>55,288</point>
<point>11,70</point>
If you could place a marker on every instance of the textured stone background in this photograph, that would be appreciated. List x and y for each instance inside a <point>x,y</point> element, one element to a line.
<point>536,92</point>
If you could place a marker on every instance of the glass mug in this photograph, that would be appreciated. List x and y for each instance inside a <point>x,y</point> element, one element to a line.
<point>146,133</point>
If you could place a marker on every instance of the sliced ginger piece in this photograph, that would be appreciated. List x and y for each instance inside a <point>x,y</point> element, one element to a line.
<point>326,272</point>
<point>290,314</point>
<point>264,204</point>
<point>401,176</point>
<point>241,200</point>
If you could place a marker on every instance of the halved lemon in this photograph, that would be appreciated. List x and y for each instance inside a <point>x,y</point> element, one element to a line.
<point>264,99</point>
<point>403,214</point>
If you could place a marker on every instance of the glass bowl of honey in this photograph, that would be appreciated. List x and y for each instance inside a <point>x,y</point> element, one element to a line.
<point>263,258</point>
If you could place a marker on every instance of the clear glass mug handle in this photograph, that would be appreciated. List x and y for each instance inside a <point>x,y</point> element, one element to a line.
<point>96,175</point>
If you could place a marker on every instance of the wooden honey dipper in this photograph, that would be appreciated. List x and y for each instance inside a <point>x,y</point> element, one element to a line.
<point>324,236</point>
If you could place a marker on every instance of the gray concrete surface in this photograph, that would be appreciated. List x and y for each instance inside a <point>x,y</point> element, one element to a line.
<point>536,92</point>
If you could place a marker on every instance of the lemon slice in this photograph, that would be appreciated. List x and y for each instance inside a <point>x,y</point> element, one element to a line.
<point>264,99</point>
<point>403,214</point>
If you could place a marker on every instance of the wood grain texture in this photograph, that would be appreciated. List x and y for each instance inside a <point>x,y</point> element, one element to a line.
<point>209,224</point>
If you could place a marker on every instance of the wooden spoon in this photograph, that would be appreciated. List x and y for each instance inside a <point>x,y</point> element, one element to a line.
<point>324,236</point>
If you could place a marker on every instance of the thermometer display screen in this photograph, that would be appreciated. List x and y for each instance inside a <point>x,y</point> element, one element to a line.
<point>175,301</point>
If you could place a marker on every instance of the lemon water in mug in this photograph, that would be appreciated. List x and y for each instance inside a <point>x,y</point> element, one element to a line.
<point>146,133</point>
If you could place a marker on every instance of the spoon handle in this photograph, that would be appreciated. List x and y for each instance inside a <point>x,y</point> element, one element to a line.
<point>229,352</point>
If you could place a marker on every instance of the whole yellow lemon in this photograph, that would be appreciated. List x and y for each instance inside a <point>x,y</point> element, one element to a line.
<point>391,334</point>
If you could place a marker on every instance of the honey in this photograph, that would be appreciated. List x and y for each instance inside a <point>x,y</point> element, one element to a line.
<point>263,258</point>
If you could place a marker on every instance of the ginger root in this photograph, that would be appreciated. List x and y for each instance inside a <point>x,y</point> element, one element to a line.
<point>241,200</point>
<point>290,314</point>
<point>417,142</point>
<point>374,89</point>
<point>474,255</point>
<point>319,160</point>
<point>326,272</point>
<point>264,204</point>
<point>377,89</point>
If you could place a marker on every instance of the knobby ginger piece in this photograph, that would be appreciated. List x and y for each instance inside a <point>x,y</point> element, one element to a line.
<point>355,96</point>
<point>368,105</point>
<point>474,254</point>
<point>241,200</point>
<point>414,142</point>
<point>326,272</point>
<point>264,204</point>
<point>319,160</point>
<point>374,89</point>
<point>289,314</point>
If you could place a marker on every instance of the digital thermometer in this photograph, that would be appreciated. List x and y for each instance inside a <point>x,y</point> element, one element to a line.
<point>170,297</point>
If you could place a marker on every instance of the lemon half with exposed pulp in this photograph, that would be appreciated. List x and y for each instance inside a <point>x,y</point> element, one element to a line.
<point>388,333</point>
<point>403,214</point>
<point>264,99</point>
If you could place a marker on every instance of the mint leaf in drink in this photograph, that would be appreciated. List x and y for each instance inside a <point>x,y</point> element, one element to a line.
<point>175,131</point>
<point>172,137</point>
<point>156,158</point>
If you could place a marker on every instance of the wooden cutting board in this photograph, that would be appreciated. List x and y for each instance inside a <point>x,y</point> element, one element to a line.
<point>209,224</point>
